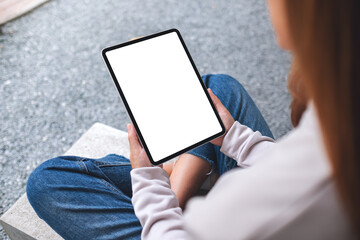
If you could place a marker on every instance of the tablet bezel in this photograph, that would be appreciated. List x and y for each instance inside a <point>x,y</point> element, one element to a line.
<point>104,51</point>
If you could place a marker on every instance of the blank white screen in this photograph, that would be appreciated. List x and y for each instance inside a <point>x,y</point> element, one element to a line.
<point>164,94</point>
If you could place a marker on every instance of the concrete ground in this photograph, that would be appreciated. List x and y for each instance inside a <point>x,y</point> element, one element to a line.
<point>54,84</point>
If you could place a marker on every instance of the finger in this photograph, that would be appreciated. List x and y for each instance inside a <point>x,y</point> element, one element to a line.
<point>133,139</point>
<point>215,99</point>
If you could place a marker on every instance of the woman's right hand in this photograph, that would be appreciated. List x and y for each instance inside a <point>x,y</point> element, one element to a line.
<point>225,116</point>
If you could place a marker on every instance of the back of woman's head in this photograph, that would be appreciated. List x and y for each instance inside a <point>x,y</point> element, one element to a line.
<point>326,35</point>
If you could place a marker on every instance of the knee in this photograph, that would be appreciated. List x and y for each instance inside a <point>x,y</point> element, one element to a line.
<point>226,88</point>
<point>38,187</point>
<point>223,82</point>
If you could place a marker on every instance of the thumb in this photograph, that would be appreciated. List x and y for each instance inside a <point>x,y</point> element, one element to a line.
<point>133,139</point>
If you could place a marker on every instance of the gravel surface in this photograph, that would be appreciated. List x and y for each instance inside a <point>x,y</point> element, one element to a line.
<point>54,84</point>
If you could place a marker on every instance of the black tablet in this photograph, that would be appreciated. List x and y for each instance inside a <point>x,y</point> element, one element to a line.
<point>164,95</point>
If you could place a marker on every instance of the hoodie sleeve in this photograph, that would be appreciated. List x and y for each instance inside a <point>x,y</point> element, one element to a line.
<point>156,205</point>
<point>243,144</point>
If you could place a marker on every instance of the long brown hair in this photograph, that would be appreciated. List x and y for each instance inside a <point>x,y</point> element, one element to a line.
<point>326,38</point>
<point>298,94</point>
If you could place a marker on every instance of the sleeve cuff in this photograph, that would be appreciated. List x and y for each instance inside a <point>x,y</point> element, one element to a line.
<point>242,144</point>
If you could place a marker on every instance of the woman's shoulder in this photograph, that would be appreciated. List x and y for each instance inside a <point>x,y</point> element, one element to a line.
<point>301,151</point>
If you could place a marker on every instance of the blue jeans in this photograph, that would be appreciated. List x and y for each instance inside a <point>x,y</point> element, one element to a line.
<point>82,198</point>
<point>242,108</point>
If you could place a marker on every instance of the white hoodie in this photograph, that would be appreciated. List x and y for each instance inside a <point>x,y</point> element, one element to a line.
<point>286,191</point>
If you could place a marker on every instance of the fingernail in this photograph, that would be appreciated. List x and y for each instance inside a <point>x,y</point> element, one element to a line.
<point>128,126</point>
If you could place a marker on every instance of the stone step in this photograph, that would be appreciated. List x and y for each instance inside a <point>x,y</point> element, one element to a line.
<point>11,9</point>
<point>20,222</point>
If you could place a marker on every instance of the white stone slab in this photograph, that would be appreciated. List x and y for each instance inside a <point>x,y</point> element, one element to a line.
<point>11,9</point>
<point>20,222</point>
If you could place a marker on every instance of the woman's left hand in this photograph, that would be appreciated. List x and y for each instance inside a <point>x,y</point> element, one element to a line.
<point>138,157</point>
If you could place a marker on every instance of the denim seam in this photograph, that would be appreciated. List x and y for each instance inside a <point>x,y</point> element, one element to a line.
<point>83,165</point>
<point>102,164</point>
<point>110,186</point>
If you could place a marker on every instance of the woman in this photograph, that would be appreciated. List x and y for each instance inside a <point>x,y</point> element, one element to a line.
<point>306,186</point>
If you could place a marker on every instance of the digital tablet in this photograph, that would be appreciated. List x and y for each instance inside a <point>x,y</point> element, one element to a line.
<point>164,95</point>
